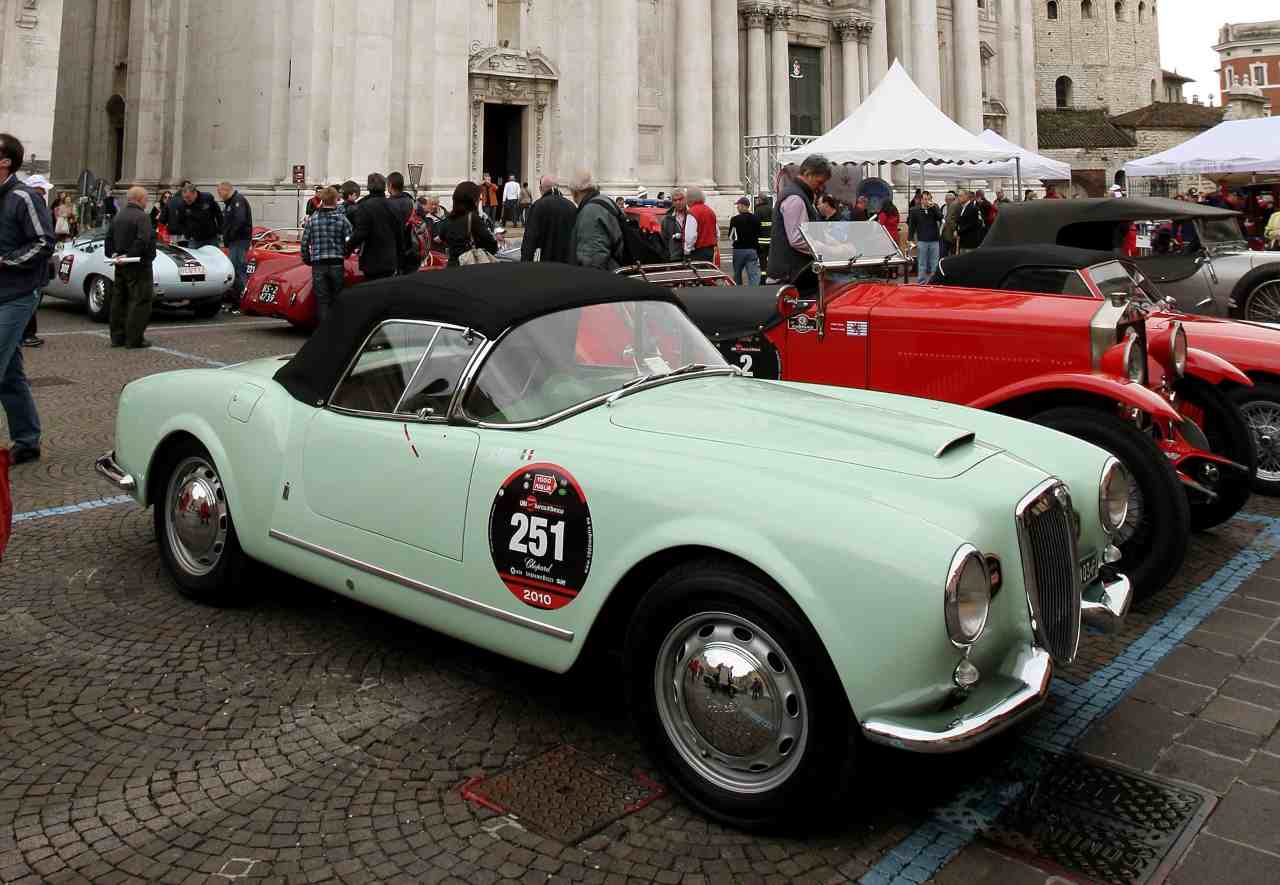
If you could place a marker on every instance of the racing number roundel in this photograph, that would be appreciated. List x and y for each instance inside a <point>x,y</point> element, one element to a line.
<point>540,536</point>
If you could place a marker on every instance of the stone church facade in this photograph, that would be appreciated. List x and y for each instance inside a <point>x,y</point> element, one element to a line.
<point>646,93</point>
<point>30,31</point>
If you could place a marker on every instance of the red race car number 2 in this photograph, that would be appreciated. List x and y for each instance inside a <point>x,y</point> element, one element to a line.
<point>540,536</point>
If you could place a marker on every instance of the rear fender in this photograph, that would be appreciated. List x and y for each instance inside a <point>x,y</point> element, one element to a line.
<point>1127,393</point>
<point>1214,369</point>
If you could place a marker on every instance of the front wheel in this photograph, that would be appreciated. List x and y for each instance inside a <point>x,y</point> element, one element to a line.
<point>1153,541</point>
<point>98,300</point>
<point>208,310</point>
<point>1260,407</point>
<point>733,690</point>
<point>1229,437</point>
<point>193,526</point>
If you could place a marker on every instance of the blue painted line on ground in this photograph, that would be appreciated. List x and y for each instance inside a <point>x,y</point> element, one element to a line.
<point>954,825</point>
<point>69,509</point>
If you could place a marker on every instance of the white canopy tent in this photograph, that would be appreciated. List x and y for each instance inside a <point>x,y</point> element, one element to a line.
<point>1033,165</point>
<point>899,124</point>
<point>1231,147</point>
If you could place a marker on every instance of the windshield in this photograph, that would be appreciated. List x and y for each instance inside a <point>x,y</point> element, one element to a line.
<point>849,240</point>
<point>557,362</point>
<point>1221,231</point>
<point>1113,278</point>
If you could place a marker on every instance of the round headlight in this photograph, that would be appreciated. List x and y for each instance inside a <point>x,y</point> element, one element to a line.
<point>1178,349</point>
<point>1113,496</point>
<point>1135,359</point>
<point>968,596</point>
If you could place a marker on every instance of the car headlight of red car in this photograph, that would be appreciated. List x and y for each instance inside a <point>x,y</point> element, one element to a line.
<point>968,596</point>
<point>1169,348</point>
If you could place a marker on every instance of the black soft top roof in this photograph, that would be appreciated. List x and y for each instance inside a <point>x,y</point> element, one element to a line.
<point>727,313</point>
<point>1048,221</point>
<point>987,268</point>
<point>488,298</point>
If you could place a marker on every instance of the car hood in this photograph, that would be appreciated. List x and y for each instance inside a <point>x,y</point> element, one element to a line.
<point>803,423</point>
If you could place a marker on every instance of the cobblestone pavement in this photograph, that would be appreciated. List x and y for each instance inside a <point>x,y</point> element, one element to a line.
<point>305,738</point>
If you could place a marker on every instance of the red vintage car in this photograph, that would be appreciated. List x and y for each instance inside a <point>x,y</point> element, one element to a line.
<point>1252,347</point>
<point>279,284</point>
<point>1093,370</point>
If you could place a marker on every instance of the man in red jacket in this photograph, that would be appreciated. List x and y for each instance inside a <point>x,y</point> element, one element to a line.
<point>704,248</point>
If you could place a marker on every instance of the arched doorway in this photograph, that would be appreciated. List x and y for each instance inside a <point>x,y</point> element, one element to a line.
<point>1063,93</point>
<point>115,114</point>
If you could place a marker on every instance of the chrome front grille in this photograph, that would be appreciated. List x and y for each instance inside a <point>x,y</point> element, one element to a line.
<point>1050,568</point>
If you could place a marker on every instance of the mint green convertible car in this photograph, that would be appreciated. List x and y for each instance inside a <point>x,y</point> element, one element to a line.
<point>526,456</point>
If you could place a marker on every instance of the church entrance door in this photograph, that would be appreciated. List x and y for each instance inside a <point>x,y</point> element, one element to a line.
<point>504,141</point>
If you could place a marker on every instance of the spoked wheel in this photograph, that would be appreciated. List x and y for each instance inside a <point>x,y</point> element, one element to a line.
<point>98,299</point>
<point>733,690</point>
<point>1153,541</point>
<point>194,528</point>
<point>1229,437</point>
<point>1260,407</point>
<point>1262,305</point>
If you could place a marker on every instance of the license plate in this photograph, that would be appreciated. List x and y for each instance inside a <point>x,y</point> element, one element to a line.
<point>1090,568</point>
<point>269,292</point>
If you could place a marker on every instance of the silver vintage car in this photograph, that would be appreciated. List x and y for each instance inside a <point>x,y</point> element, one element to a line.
<point>1215,274</point>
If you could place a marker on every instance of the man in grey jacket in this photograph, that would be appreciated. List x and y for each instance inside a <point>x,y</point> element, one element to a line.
<point>597,233</point>
<point>133,238</point>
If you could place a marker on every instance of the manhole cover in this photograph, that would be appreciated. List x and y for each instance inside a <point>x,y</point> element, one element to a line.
<point>49,381</point>
<point>1113,826</point>
<point>565,794</point>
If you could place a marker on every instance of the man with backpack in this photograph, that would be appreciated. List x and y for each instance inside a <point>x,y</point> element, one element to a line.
<point>597,231</point>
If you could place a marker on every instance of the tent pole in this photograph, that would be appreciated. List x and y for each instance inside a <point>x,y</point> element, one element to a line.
<point>1017,166</point>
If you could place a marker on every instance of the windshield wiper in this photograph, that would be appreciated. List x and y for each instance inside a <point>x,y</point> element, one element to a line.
<point>637,382</point>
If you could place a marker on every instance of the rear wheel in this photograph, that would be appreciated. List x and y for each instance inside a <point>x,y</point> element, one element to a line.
<point>193,526</point>
<point>730,685</point>
<point>1153,541</point>
<point>1262,304</point>
<point>1260,407</point>
<point>1229,437</point>
<point>98,300</point>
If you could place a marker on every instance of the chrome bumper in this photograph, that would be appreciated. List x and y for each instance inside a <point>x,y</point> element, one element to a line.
<point>107,466</point>
<point>996,703</point>
<point>1105,604</point>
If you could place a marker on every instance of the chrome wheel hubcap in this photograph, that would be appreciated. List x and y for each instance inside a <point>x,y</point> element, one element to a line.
<point>1263,305</point>
<point>197,517</point>
<point>1263,418</point>
<point>731,702</point>
<point>98,295</point>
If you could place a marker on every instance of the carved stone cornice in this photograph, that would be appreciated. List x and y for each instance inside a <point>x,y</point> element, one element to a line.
<point>524,64</point>
<point>27,17</point>
<point>756,15</point>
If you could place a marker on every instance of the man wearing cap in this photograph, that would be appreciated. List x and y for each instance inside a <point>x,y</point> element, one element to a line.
<point>744,233</point>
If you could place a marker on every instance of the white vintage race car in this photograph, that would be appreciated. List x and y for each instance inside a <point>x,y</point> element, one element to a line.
<point>194,279</point>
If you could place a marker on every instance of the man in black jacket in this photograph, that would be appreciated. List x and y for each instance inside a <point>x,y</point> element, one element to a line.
<point>377,232</point>
<point>970,226</point>
<point>924,226</point>
<point>402,203</point>
<point>549,226</point>
<point>199,218</point>
<point>26,242</point>
<point>132,237</point>
<point>237,234</point>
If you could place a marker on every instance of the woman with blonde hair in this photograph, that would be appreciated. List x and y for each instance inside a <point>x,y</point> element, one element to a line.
<point>64,218</point>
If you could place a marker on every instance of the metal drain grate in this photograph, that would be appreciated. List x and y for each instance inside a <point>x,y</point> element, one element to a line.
<point>1113,826</point>
<point>565,794</point>
<point>49,381</point>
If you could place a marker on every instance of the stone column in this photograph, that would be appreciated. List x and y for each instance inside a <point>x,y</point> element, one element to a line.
<point>726,96</point>
<point>150,55</point>
<point>620,102</point>
<point>898,32</point>
<point>877,45</point>
<point>1010,62</point>
<point>781,85</point>
<point>851,62</point>
<point>757,72</point>
<point>968,64</point>
<point>695,115</point>
<point>924,47</point>
<point>1027,74</point>
<point>864,56</point>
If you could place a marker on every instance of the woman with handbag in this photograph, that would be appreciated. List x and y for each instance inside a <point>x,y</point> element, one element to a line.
<point>64,218</point>
<point>463,235</point>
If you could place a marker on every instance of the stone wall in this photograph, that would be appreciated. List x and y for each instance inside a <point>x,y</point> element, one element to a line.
<point>30,33</point>
<point>1113,64</point>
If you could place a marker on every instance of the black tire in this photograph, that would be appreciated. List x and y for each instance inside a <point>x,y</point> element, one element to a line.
<point>1260,408</point>
<point>1257,296</point>
<point>714,594</point>
<point>97,303</point>
<point>215,578</point>
<point>1229,437</point>
<point>1159,530</point>
<point>207,310</point>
